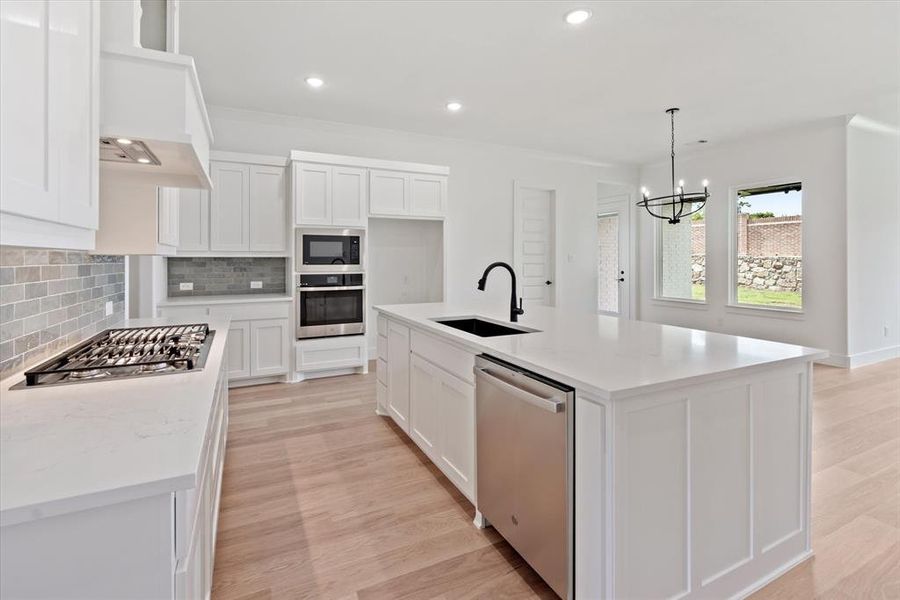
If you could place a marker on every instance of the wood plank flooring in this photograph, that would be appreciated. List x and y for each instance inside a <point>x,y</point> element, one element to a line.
<point>323,499</point>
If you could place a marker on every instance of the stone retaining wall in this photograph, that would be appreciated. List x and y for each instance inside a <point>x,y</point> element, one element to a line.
<point>775,273</point>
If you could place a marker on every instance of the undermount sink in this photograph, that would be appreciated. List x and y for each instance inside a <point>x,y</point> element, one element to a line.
<point>482,328</point>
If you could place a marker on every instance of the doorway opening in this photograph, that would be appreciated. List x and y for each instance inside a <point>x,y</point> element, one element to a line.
<point>613,249</point>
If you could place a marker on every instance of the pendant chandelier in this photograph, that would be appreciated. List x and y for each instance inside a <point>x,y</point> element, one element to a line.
<point>679,203</point>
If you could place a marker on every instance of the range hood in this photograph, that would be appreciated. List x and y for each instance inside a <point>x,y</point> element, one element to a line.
<point>153,120</point>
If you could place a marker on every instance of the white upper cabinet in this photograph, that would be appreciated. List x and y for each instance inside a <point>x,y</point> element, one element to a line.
<point>400,194</point>
<point>348,206</point>
<point>312,194</point>
<point>329,195</point>
<point>428,195</point>
<point>268,218</point>
<point>230,207</point>
<point>343,191</point>
<point>390,193</point>
<point>246,211</point>
<point>49,133</point>
<point>193,220</point>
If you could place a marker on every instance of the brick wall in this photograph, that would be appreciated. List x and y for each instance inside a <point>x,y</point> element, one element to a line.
<point>770,236</point>
<point>52,299</point>
<point>224,276</point>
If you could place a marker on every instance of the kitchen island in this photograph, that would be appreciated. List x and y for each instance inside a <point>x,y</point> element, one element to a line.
<point>691,449</point>
<point>110,488</point>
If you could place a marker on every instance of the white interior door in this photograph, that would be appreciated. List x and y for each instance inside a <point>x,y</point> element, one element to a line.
<point>534,239</point>
<point>613,247</point>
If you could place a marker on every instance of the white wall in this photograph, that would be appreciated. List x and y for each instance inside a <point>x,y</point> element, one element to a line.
<point>479,225</point>
<point>873,238</point>
<point>813,154</point>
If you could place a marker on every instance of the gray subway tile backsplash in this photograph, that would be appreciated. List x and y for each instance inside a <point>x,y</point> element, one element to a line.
<point>217,276</point>
<point>52,299</point>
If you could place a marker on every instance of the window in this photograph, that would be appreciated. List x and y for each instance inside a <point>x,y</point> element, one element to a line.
<point>767,270</point>
<point>681,259</point>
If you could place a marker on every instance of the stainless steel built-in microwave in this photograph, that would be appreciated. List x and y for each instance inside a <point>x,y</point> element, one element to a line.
<point>330,250</point>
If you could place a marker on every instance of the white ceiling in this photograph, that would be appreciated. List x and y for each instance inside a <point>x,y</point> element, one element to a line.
<point>528,79</point>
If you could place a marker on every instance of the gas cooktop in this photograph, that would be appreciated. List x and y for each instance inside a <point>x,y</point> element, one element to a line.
<point>128,352</point>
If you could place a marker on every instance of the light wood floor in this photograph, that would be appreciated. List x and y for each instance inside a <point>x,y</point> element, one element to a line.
<point>322,499</point>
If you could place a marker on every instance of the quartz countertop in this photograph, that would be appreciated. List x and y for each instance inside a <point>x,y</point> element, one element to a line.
<point>609,357</point>
<point>224,299</point>
<point>78,446</point>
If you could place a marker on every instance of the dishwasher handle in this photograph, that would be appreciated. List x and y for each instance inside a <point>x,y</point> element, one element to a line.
<point>547,404</point>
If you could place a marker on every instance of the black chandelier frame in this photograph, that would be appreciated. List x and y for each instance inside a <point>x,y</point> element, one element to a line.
<point>678,200</point>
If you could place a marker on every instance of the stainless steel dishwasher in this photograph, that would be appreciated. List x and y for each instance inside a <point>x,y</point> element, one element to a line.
<point>525,475</point>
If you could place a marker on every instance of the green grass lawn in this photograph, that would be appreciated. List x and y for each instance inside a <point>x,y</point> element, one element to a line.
<point>758,297</point>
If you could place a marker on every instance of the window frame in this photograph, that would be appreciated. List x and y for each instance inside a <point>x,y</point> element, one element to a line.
<point>733,305</point>
<point>657,271</point>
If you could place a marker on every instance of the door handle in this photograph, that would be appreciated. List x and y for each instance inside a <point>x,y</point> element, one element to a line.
<point>621,279</point>
<point>533,399</point>
<point>548,282</point>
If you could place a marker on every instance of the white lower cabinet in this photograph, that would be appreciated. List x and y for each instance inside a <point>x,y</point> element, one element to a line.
<point>160,546</point>
<point>259,336</point>
<point>238,351</point>
<point>269,352</point>
<point>424,382</point>
<point>398,374</point>
<point>427,389</point>
<point>326,354</point>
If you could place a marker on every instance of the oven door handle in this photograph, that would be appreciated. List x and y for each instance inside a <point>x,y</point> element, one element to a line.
<point>337,288</point>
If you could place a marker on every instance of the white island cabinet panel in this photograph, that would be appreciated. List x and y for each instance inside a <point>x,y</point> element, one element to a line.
<point>721,462</point>
<point>268,215</point>
<point>651,501</point>
<point>49,58</point>
<point>456,442</point>
<point>230,207</point>
<point>780,428</point>
<point>424,386</point>
<point>398,374</point>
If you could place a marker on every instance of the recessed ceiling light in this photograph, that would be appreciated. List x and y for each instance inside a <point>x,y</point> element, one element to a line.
<point>124,141</point>
<point>453,106</point>
<point>578,16</point>
<point>314,82</point>
<point>144,161</point>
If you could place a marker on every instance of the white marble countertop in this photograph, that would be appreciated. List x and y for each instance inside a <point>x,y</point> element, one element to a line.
<point>72,447</point>
<point>609,357</point>
<point>224,299</point>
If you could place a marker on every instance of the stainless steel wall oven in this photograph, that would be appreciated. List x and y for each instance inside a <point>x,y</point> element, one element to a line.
<point>330,304</point>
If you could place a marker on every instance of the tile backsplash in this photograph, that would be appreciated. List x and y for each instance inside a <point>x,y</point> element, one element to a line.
<point>226,275</point>
<point>52,299</point>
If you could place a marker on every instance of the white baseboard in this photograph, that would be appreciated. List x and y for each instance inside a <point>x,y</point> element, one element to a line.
<point>861,359</point>
<point>874,356</point>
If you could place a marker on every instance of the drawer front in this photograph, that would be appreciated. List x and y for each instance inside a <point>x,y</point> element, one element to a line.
<point>331,353</point>
<point>251,312</point>
<point>450,358</point>
<point>382,325</point>
<point>381,371</point>
<point>381,345</point>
